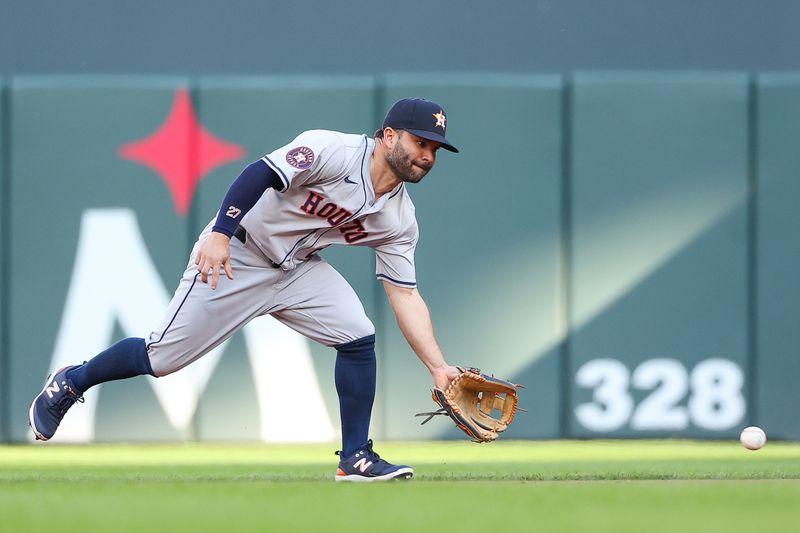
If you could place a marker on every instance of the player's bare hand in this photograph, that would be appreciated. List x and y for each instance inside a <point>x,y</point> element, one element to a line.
<point>214,255</point>
<point>443,376</point>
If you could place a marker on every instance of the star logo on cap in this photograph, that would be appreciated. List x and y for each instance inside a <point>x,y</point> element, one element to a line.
<point>440,119</point>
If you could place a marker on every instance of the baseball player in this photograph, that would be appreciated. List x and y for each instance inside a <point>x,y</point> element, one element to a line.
<point>323,188</point>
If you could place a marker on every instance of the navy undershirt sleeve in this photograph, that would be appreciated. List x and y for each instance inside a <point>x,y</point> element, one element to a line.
<point>243,194</point>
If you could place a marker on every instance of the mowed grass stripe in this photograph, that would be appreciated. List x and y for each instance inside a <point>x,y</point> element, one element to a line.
<point>448,461</point>
<point>558,471</point>
<point>420,452</point>
<point>727,506</point>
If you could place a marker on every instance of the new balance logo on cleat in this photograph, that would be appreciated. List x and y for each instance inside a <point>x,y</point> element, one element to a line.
<point>365,466</point>
<point>362,464</point>
<point>49,407</point>
<point>53,388</point>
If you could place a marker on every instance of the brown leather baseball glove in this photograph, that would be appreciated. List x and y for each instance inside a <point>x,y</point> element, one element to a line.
<point>472,399</point>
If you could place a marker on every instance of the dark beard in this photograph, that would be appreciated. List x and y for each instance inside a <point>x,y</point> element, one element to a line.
<point>402,166</point>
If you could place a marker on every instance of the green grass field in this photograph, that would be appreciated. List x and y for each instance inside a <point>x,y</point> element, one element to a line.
<point>638,486</point>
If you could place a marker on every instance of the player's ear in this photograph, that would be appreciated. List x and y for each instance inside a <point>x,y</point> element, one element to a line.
<point>390,136</point>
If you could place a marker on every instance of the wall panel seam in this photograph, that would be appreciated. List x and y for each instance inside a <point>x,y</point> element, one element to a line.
<point>565,238</point>
<point>752,249</point>
<point>5,190</point>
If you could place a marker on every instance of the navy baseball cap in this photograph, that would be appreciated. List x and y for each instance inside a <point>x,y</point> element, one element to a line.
<point>421,117</point>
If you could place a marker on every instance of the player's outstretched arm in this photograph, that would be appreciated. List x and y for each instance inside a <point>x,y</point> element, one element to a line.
<point>214,254</point>
<point>414,320</point>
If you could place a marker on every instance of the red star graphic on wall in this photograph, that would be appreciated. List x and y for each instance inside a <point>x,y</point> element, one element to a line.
<point>182,151</point>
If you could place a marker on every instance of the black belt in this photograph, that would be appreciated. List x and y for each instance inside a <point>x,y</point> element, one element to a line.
<point>241,234</point>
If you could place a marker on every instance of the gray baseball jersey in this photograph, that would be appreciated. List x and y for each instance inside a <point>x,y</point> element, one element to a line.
<point>327,198</point>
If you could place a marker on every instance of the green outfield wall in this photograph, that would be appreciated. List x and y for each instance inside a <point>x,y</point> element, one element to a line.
<point>623,244</point>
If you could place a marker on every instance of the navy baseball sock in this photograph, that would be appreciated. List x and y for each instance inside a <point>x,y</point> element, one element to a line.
<point>355,383</point>
<point>125,359</point>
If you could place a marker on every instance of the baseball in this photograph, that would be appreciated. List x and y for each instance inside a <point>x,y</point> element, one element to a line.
<point>753,438</point>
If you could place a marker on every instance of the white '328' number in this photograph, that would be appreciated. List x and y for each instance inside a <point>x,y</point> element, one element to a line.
<point>714,386</point>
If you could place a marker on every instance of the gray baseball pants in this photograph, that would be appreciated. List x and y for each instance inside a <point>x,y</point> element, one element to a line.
<point>313,299</point>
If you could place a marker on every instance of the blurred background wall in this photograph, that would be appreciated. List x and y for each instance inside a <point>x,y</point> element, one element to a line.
<point>619,232</point>
<point>364,37</point>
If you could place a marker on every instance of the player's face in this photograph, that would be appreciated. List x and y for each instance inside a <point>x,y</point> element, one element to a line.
<point>412,157</point>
